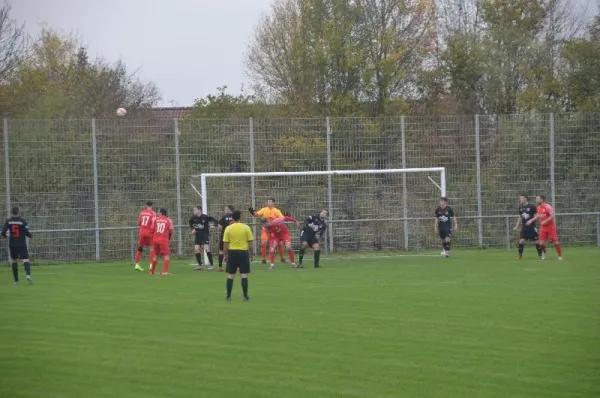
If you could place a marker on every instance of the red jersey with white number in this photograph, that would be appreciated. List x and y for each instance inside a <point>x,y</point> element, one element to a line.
<point>277,225</point>
<point>163,229</point>
<point>545,211</point>
<point>145,222</point>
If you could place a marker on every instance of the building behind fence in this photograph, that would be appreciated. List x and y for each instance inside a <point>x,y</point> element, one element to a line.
<point>81,183</point>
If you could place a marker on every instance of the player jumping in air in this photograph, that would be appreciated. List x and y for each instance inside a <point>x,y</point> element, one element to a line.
<point>200,225</point>
<point>279,233</point>
<point>313,229</point>
<point>444,221</point>
<point>226,220</point>
<point>163,231</point>
<point>16,229</point>
<point>270,212</point>
<point>548,232</point>
<point>528,232</point>
<point>146,234</point>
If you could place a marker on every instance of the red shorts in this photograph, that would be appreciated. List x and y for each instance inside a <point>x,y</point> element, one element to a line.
<point>280,237</point>
<point>548,234</point>
<point>145,240</point>
<point>161,248</point>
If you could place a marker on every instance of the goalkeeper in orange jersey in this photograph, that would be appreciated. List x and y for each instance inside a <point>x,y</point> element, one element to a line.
<point>270,212</point>
<point>279,233</point>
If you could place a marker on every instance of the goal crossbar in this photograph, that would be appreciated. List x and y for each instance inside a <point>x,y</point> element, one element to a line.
<point>204,176</point>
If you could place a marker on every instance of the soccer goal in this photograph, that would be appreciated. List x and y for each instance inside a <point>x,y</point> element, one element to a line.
<point>369,210</point>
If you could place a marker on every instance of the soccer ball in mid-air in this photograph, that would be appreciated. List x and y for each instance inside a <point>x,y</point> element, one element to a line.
<point>121,112</point>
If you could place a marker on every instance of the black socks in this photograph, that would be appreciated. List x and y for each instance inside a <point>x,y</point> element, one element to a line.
<point>15,270</point>
<point>317,257</point>
<point>229,287</point>
<point>245,287</point>
<point>221,261</point>
<point>199,258</point>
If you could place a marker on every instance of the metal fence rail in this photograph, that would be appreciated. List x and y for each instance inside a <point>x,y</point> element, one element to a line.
<point>81,178</point>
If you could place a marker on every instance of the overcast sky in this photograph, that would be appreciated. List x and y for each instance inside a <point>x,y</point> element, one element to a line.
<point>187,47</point>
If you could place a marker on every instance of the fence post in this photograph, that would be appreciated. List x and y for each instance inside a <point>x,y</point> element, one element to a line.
<point>552,154</point>
<point>6,167</point>
<point>132,247</point>
<point>96,198</point>
<point>507,223</point>
<point>404,193</point>
<point>598,229</point>
<point>252,179</point>
<point>329,183</point>
<point>7,170</point>
<point>478,176</point>
<point>178,186</point>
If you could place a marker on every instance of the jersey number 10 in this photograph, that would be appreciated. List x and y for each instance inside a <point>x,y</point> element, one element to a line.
<point>160,227</point>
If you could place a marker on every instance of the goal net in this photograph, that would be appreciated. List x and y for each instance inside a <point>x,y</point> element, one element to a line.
<point>370,210</point>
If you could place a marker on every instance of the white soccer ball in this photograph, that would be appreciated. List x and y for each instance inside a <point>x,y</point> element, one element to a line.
<point>121,112</point>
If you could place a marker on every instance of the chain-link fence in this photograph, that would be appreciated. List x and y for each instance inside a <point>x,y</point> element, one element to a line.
<point>82,182</point>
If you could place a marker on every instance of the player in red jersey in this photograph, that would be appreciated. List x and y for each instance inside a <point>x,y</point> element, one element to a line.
<point>163,231</point>
<point>146,234</point>
<point>279,233</point>
<point>548,232</point>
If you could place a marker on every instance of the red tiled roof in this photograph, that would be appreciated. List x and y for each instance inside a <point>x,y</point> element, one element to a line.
<point>172,113</point>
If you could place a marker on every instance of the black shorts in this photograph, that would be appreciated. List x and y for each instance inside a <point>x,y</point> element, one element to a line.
<point>238,259</point>
<point>18,252</point>
<point>201,238</point>
<point>529,233</point>
<point>445,233</point>
<point>309,237</point>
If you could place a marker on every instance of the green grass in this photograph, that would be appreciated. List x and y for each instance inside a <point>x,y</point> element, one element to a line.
<point>478,325</point>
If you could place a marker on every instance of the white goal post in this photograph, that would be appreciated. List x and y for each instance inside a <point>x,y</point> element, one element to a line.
<point>328,196</point>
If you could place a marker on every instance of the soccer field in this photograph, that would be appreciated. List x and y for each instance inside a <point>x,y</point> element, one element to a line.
<point>480,324</point>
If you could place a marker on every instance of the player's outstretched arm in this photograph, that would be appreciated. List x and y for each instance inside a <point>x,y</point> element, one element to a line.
<point>27,232</point>
<point>455,221</point>
<point>252,211</point>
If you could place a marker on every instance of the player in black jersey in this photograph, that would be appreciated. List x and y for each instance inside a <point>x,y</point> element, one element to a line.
<point>223,223</point>
<point>16,229</point>
<point>529,233</point>
<point>314,228</point>
<point>200,225</point>
<point>445,224</point>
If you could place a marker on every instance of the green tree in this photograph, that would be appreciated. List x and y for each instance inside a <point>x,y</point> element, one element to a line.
<point>582,72</point>
<point>58,80</point>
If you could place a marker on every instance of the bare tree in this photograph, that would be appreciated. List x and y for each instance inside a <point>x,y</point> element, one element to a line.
<point>13,43</point>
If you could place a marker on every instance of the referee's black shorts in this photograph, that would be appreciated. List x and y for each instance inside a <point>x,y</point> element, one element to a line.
<point>238,259</point>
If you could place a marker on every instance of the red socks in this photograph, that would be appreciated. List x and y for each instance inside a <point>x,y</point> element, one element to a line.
<point>166,266</point>
<point>291,255</point>
<point>272,256</point>
<point>152,266</point>
<point>263,251</point>
<point>558,248</point>
<point>138,256</point>
<point>151,255</point>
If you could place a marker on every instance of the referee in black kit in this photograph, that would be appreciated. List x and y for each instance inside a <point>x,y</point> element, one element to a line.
<point>237,249</point>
